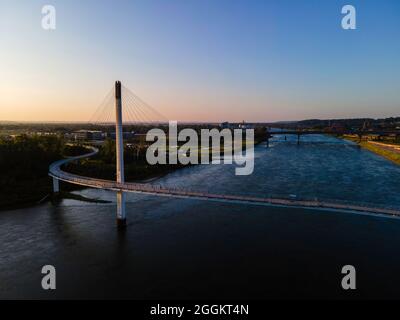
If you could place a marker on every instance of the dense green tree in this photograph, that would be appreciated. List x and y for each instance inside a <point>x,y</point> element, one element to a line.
<point>24,163</point>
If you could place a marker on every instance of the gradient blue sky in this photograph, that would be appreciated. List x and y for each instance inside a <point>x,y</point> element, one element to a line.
<point>202,60</point>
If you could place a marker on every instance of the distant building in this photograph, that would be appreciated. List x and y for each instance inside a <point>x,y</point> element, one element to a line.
<point>87,135</point>
<point>11,136</point>
<point>225,125</point>
<point>245,126</point>
<point>43,133</point>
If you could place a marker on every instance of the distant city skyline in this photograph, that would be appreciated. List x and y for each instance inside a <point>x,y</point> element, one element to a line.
<point>202,61</point>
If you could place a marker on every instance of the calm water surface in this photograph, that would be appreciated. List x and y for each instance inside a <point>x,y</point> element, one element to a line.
<point>179,248</point>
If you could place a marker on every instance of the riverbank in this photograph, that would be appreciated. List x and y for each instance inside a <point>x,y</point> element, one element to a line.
<point>380,149</point>
<point>72,196</point>
<point>31,193</point>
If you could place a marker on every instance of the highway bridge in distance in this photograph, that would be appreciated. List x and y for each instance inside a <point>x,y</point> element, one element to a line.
<point>359,133</point>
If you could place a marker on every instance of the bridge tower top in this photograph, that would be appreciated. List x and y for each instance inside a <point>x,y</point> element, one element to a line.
<point>117,89</point>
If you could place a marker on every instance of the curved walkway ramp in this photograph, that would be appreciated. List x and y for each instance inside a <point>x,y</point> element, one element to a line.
<point>56,172</point>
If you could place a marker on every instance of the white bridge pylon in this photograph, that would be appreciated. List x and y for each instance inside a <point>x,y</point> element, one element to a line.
<point>54,170</point>
<point>121,212</point>
<point>118,107</point>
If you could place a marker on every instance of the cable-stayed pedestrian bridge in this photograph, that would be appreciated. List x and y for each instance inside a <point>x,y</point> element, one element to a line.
<point>140,112</point>
<point>57,173</point>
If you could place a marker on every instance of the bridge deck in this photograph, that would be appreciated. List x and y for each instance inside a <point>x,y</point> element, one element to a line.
<point>56,172</point>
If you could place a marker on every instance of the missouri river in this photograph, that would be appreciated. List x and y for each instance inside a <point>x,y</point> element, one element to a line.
<point>181,248</point>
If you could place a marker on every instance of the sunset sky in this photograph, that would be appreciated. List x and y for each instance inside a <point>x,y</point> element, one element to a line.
<point>201,60</point>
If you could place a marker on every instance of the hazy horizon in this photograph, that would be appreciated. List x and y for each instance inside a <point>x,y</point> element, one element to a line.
<point>201,61</point>
<point>193,122</point>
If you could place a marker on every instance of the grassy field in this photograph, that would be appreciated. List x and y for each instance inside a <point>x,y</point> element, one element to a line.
<point>388,154</point>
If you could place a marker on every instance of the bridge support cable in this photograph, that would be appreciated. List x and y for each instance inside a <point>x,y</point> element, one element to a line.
<point>102,116</point>
<point>144,112</point>
<point>134,112</point>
